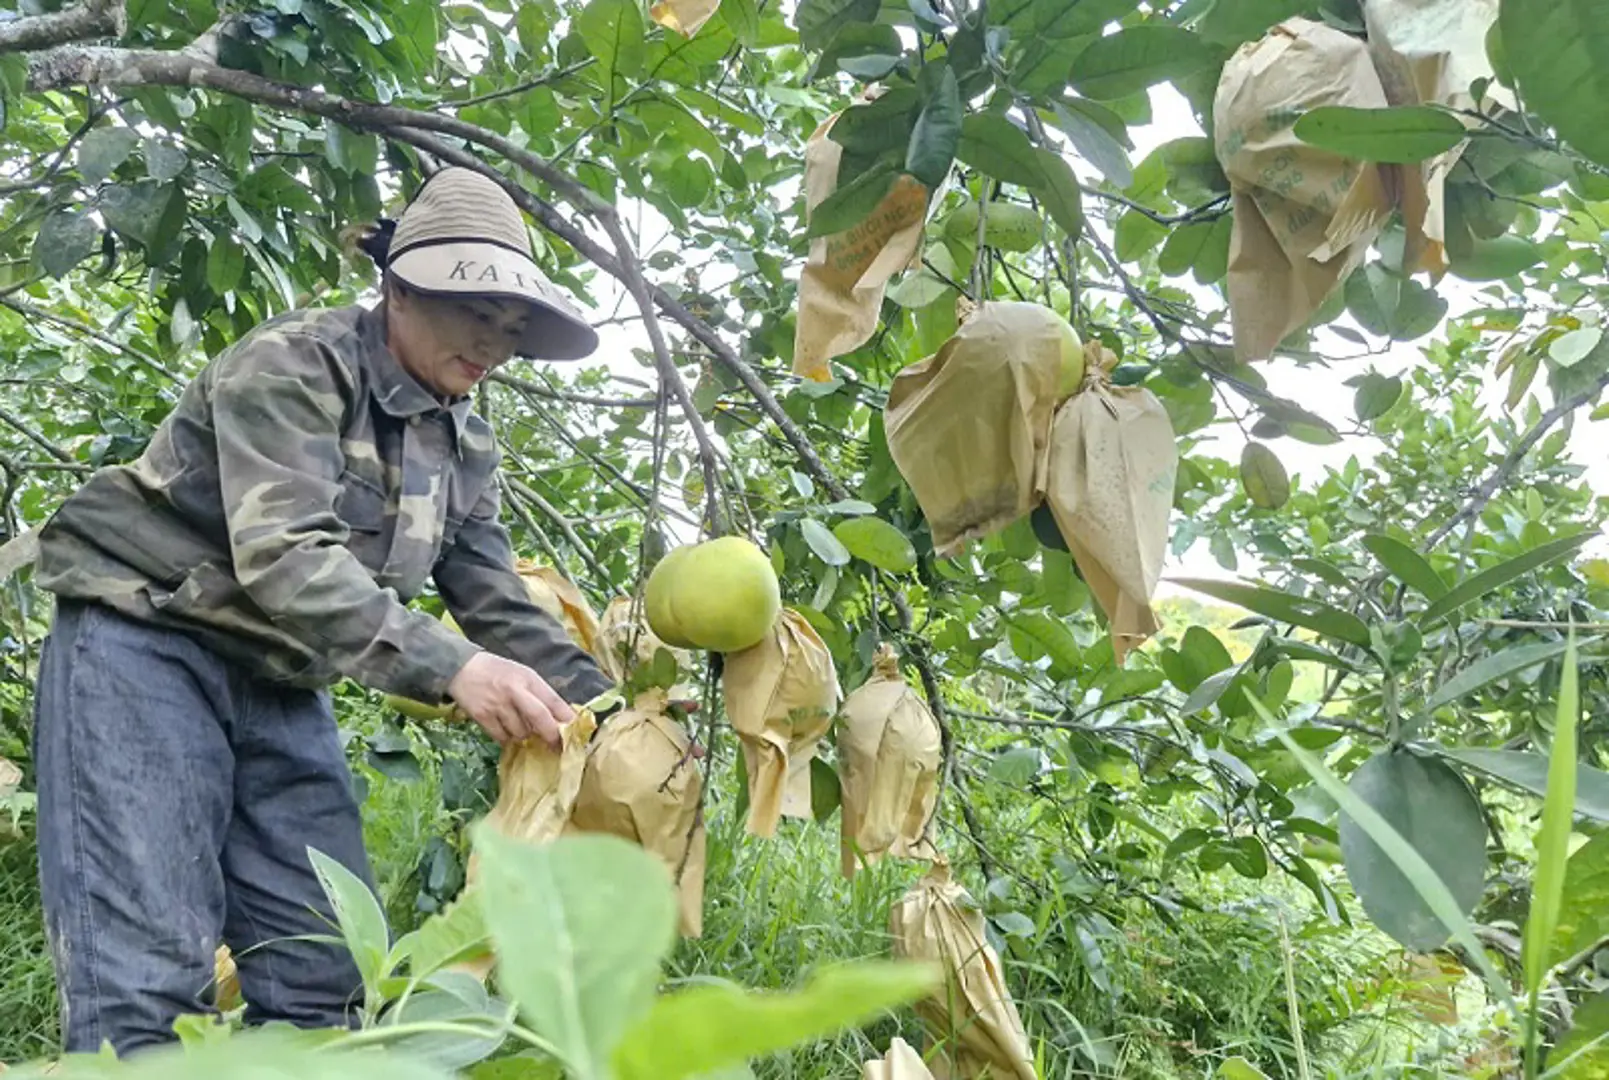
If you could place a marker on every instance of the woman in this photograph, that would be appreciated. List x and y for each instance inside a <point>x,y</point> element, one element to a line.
<point>263,547</point>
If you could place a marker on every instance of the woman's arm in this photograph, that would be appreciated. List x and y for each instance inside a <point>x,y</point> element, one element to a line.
<point>475,575</point>
<point>278,400</point>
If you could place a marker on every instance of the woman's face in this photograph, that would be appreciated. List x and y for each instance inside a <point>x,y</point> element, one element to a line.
<point>451,343</point>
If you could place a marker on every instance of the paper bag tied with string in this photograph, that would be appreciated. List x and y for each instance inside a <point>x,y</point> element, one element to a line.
<point>968,427</point>
<point>890,751</point>
<point>841,286</point>
<point>641,783</point>
<point>1111,477</point>
<point>972,1016</point>
<point>1429,52</point>
<point>536,793</point>
<point>901,1062</point>
<point>780,697</point>
<point>1303,217</point>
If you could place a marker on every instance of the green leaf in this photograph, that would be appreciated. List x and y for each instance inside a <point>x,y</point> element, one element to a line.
<point>270,1051</point>
<point>226,261</point>
<point>819,21</point>
<point>613,31</point>
<point>1489,669</point>
<point>353,152</point>
<point>103,150</point>
<point>136,210</point>
<point>714,1026</point>
<point>449,1050</point>
<point>1053,637</point>
<point>448,937</point>
<point>1058,191</point>
<point>1493,260</point>
<point>1136,234</point>
<point>1138,57</point>
<point>1406,564</point>
<point>1569,349</point>
<point>937,135</point>
<point>1184,246</point>
<point>1238,1068</point>
<point>852,203</point>
<point>826,791</point>
<point>1401,135</point>
<point>1553,838</point>
<point>66,238</point>
<point>1559,53</point>
<point>358,913</point>
<point>875,129</point>
<point>996,147</point>
<point>1015,767</point>
<point>1301,611</point>
<point>1375,396</point>
<point>1471,589</point>
<point>1404,856</point>
<point>164,161</point>
<point>874,540</point>
<point>1094,143</point>
<point>827,547</point>
<point>1208,691</point>
<point>743,17</point>
<point>1430,808</point>
<point>580,926</point>
<point>869,67</point>
<point>1583,1054</point>
<point>1233,24</point>
<point>1528,771</point>
<point>1263,477</point>
<point>1583,918</point>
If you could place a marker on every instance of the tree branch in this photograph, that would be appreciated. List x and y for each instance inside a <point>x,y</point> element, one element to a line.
<point>28,311</point>
<point>1506,467</point>
<point>76,65</point>
<point>532,496</point>
<point>569,395</point>
<point>90,19</point>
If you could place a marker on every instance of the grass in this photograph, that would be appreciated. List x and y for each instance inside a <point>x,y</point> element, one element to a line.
<point>28,1020</point>
<point>1155,999</point>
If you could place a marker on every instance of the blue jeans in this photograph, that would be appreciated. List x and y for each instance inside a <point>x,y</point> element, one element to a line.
<point>177,799</point>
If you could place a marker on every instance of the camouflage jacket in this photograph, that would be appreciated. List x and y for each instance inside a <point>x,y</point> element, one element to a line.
<point>297,497</point>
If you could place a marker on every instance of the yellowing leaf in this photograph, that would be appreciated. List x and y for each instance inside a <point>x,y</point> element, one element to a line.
<point>685,17</point>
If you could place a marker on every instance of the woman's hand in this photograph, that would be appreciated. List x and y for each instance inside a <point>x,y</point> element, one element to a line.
<point>508,700</point>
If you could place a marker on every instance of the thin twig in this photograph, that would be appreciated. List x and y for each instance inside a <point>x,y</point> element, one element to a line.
<point>541,80</point>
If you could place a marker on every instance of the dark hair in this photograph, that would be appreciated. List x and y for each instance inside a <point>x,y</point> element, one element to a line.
<point>375,241</point>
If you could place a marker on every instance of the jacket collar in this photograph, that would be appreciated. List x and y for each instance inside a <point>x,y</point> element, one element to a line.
<point>396,391</point>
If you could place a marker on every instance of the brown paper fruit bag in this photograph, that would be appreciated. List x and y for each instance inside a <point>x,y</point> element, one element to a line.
<point>537,787</point>
<point>1428,52</point>
<point>968,426</point>
<point>890,751</point>
<point>558,596</point>
<point>900,1063</point>
<point>972,1015</point>
<point>1303,217</point>
<point>536,793</point>
<point>1112,467</point>
<point>780,697</point>
<point>841,285</point>
<point>642,783</point>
